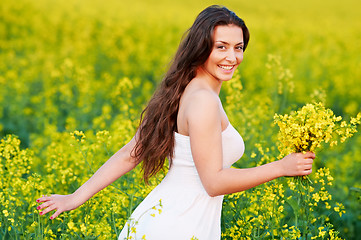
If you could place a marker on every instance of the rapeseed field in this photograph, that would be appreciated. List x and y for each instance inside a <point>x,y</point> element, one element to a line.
<point>75,75</point>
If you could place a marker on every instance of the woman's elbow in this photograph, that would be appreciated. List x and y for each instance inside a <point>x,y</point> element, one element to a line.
<point>212,190</point>
<point>213,194</point>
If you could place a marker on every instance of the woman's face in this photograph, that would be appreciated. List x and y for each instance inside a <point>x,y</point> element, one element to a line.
<point>227,52</point>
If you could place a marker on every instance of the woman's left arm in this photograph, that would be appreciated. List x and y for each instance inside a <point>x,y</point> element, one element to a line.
<point>205,131</point>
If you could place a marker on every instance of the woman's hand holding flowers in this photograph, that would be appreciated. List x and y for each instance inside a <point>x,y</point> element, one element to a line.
<point>297,164</point>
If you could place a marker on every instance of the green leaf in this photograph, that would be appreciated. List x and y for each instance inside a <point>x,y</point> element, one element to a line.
<point>293,204</point>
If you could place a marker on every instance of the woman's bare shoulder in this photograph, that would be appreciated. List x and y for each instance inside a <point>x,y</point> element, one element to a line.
<point>198,104</point>
<point>197,94</point>
<point>202,96</point>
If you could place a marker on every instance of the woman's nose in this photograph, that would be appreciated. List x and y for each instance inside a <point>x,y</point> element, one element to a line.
<point>231,56</point>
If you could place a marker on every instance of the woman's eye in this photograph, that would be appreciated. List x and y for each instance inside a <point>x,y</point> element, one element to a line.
<point>239,47</point>
<point>221,47</point>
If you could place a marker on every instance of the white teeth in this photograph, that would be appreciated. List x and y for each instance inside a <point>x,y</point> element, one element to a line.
<point>225,67</point>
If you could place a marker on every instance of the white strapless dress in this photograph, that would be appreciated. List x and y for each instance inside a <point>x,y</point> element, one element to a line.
<point>187,211</point>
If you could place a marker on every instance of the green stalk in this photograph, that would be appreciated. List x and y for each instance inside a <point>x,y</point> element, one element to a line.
<point>296,213</point>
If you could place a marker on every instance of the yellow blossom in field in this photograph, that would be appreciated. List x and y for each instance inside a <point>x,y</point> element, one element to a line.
<point>71,225</point>
<point>340,209</point>
<point>82,227</point>
<point>291,184</point>
<point>6,213</point>
<point>333,235</point>
<point>79,136</point>
<point>304,130</point>
<point>321,232</point>
<point>316,197</point>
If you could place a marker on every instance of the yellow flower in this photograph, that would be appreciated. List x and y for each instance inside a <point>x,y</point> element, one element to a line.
<point>71,225</point>
<point>82,227</point>
<point>340,209</point>
<point>6,213</point>
<point>316,197</point>
<point>321,233</point>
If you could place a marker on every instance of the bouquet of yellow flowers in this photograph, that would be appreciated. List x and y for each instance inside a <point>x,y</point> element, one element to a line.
<point>304,130</point>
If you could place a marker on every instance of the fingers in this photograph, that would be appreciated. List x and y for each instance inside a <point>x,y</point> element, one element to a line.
<point>303,163</point>
<point>48,205</point>
<point>57,212</point>
<point>306,165</point>
<point>44,198</point>
<point>307,172</point>
<point>308,162</point>
<point>306,155</point>
<point>298,164</point>
<point>45,204</point>
<point>48,209</point>
<point>309,155</point>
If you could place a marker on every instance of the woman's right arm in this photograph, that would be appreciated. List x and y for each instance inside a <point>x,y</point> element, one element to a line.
<point>118,165</point>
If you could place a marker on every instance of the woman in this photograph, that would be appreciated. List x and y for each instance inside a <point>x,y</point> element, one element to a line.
<point>185,122</point>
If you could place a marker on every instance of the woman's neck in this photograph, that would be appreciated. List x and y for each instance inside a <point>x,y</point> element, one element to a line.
<point>208,80</point>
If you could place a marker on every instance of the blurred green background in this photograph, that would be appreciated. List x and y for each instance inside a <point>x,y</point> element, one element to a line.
<point>44,42</point>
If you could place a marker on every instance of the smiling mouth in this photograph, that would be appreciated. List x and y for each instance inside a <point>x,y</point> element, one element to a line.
<point>226,67</point>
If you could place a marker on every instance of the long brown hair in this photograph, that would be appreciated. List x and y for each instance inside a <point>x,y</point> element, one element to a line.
<point>158,121</point>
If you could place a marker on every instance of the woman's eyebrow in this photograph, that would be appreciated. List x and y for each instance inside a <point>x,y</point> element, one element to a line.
<point>220,41</point>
